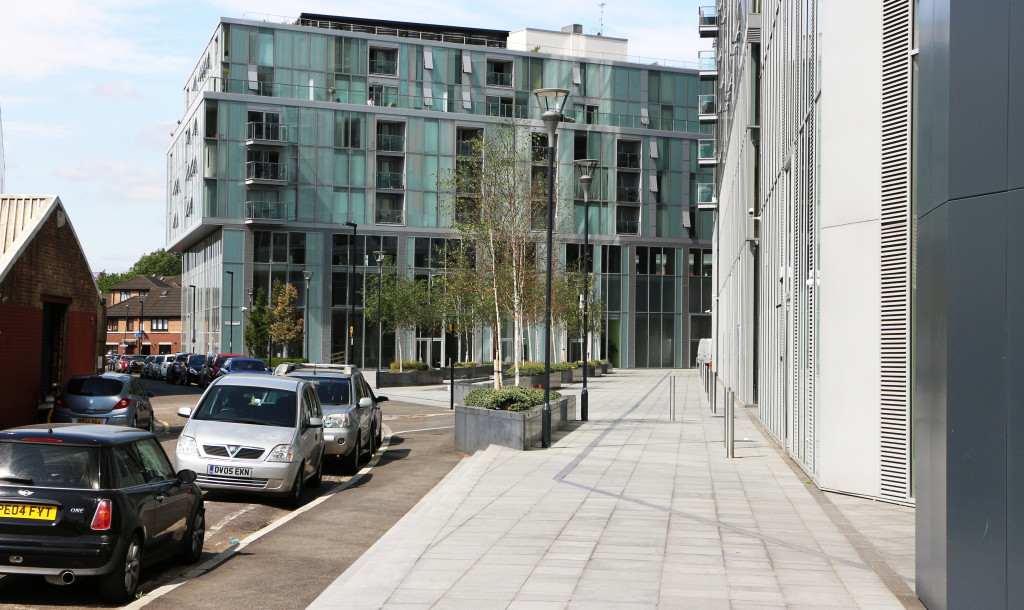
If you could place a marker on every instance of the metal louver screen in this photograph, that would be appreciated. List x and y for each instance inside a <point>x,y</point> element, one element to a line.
<point>895,278</point>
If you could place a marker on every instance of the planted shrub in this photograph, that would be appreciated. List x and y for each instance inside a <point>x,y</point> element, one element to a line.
<point>463,365</point>
<point>509,398</point>
<point>409,365</point>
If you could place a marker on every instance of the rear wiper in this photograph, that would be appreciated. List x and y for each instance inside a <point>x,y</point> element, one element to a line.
<point>21,480</point>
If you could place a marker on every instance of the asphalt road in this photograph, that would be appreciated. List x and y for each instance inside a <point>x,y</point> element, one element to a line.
<point>289,566</point>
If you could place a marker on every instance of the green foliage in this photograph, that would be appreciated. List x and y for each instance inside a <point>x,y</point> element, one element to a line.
<point>285,323</point>
<point>509,398</point>
<point>158,262</point>
<point>257,330</point>
<point>537,368</point>
<point>409,365</point>
<point>465,365</point>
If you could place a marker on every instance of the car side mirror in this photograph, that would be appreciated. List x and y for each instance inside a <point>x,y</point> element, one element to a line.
<point>382,399</point>
<point>365,401</point>
<point>187,476</point>
<point>185,412</point>
<point>316,422</point>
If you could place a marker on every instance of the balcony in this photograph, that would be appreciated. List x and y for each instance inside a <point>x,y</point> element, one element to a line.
<point>705,193</point>
<point>272,211</point>
<point>390,180</point>
<point>264,172</point>
<point>383,67</point>
<point>707,65</point>
<point>706,109</point>
<point>499,79</point>
<point>707,25</point>
<point>274,134</point>
<point>627,160</point>
<point>389,216</point>
<point>467,148</point>
<point>390,143</point>
<point>706,153</point>
<point>627,227</point>
<point>627,194</point>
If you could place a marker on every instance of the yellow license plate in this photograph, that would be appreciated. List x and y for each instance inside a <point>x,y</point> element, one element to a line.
<point>28,511</point>
<point>89,420</point>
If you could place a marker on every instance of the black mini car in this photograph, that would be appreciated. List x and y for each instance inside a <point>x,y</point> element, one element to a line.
<point>94,500</point>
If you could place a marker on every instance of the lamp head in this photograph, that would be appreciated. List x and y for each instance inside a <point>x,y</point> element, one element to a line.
<point>551,102</point>
<point>307,275</point>
<point>586,169</point>
<point>351,224</point>
<point>379,255</point>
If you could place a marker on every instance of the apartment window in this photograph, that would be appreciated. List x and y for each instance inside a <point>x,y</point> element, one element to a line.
<point>383,95</point>
<point>262,125</point>
<point>158,324</point>
<point>384,61</point>
<point>574,257</point>
<point>500,106</point>
<point>499,73</point>
<point>111,325</point>
<point>279,247</point>
<point>124,295</point>
<point>432,252</point>
<point>468,142</point>
<point>390,137</point>
<point>348,129</point>
<point>390,209</point>
<point>129,325</point>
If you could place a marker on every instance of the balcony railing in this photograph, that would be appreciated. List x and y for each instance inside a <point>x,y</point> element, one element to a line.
<point>388,216</point>
<point>708,22</point>
<point>706,105</point>
<point>507,110</point>
<point>499,79</point>
<point>628,194</point>
<point>627,227</point>
<point>390,180</point>
<point>706,154</point>
<point>383,67</point>
<point>705,192</point>
<point>627,160</point>
<point>390,143</point>
<point>265,132</point>
<point>468,148</point>
<point>264,170</point>
<point>269,210</point>
<point>707,64</point>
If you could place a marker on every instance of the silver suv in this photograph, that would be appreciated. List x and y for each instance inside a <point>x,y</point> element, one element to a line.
<point>254,433</point>
<point>353,423</point>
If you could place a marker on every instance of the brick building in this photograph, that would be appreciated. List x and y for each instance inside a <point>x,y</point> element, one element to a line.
<point>145,316</point>
<point>51,313</point>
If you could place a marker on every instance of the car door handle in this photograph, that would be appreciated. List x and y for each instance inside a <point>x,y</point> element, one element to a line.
<point>159,498</point>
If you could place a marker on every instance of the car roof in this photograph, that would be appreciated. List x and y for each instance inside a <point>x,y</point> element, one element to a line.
<point>312,369</point>
<point>117,376</point>
<point>92,434</point>
<point>261,381</point>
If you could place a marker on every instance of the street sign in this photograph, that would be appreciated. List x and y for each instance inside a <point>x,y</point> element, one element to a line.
<point>137,335</point>
<point>234,323</point>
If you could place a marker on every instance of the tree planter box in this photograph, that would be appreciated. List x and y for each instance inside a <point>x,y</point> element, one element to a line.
<point>592,371</point>
<point>477,428</point>
<point>469,372</point>
<point>566,375</point>
<point>607,368</point>
<point>390,379</point>
<point>537,381</point>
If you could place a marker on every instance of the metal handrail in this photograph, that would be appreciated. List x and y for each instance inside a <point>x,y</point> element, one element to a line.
<point>628,194</point>
<point>265,170</point>
<point>627,160</point>
<point>383,67</point>
<point>390,143</point>
<point>390,180</point>
<point>499,79</point>
<point>390,217</point>
<point>270,132</point>
<point>627,227</point>
<point>269,210</point>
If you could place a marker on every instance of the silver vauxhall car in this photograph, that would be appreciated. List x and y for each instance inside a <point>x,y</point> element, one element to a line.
<point>255,434</point>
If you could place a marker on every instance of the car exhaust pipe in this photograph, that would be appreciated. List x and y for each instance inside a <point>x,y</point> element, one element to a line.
<point>67,577</point>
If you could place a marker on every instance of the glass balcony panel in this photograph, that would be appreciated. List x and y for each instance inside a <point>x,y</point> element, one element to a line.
<point>263,170</point>
<point>390,143</point>
<point>269,132</point>
<point>705,192</point>
<point>706,104</point>
<point>389,216</point>
<point>499,79</point>
<point>390,180</point>
<point>628,160</point>
<point>708,15</point>
<point>706,60</point>
<point>269,210</point>
<point>627,227</point>
<point>705,149</point>
<point>383,67</point>
<point>628,194</point>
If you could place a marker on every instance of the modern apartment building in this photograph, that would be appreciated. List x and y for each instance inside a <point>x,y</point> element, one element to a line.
<point>813,231</point>
<point>293,132</point>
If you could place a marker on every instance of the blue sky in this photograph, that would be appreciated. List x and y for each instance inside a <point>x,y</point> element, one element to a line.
<point>90,90</point>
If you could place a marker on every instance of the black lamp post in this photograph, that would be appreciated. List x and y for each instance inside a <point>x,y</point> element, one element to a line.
<point>379,256</point>
<point>231,314</point>
<point>192,287</point>
<point>142,328</point>
<point>306,275</point>
<point>586,168</point>
<point>349,338</point>
<point>551,102</point>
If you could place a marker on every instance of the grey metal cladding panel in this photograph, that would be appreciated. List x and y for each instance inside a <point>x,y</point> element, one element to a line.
<point>1015,126</point>
<point>933,105</point>
<point>929,407</point>
<point>978,110</point>
<point>976,458</point>
<point>1015,402</point>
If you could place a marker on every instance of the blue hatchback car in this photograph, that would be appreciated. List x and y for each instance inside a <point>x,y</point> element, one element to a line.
<point>110,398</point>
<point>244,365</point>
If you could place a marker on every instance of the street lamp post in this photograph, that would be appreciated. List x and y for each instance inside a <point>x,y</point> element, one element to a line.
<point>379,256</point>
<point>192,321</point>
<point>551,101</point>
<point>142,329</point>
<point>231,314</point>
<point>586,168</point>
<point>306,275</point>
<point>349,339</point>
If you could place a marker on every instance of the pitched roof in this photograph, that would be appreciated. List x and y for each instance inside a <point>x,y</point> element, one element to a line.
<point>148,282</point>
<point>159,303</point>
<point>21,217</point>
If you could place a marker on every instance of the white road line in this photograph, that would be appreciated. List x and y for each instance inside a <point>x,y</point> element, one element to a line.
<point>230,518</point>
<point>401,432</point>
<point>233,549</point>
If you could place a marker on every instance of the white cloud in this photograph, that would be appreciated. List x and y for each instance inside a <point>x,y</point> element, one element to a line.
<point>119,181</point>
<point>119,90</point>
<point>157,135</point>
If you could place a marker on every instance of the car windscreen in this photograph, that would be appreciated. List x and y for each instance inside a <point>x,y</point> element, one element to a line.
<point>248,405</point>
<point>95,386</point>
<point>220,361</point>
<point>332,391</point>
<point>248,365</point>
<point>48,465</point>
<point>196,361</point>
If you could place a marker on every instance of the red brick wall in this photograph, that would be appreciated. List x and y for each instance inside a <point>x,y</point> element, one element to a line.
<point>52,267</point>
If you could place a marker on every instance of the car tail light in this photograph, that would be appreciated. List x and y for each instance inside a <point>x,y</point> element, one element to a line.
<point>123,403</point>
<point>59,403</point>
<point>101,519</point>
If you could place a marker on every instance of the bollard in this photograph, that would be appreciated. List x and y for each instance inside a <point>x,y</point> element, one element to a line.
<point>730,425</point>
<point>451,398</point>
<point>714,392</point>
<point>671,398</point>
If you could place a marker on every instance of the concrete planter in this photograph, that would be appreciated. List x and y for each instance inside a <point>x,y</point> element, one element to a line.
<point>566,375</point>
<point>537,381</point>
<point>390,379</point>
<point>607,367</point>
<point>477,428</point>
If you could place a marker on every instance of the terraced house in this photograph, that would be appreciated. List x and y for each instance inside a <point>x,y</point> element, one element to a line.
<point>299,137</point>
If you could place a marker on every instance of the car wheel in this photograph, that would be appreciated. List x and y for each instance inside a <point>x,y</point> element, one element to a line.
<point>318,476</point>
<point>295,494</point>
<point>120,583</point>
<point>195,539</point>
<point>350,462</point>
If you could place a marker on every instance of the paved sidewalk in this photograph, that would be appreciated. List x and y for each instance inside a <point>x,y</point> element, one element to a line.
<point>634,510</point>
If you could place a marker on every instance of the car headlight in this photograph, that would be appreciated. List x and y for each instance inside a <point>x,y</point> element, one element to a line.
<point>336,420</point>
<point>186,446</point>
<point>281,453</point>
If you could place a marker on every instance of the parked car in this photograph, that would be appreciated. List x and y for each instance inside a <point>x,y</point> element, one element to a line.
<point>257,434</point>
<point>151,370</point>
<point>112,361</point>
<point>121,365</point>
<point>175,369</point>
<point>94,501</point>
<point>213,364</point>
<point>253,366</point>
<point>135,364</point>
<point>110,398</point>
<point>165,366</point>
<point>146,365</point>
<point>191,370</point>
<point>353,422</point>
